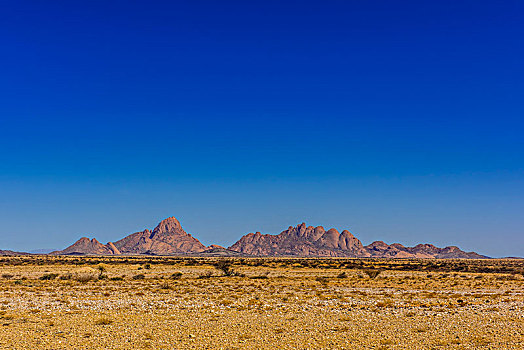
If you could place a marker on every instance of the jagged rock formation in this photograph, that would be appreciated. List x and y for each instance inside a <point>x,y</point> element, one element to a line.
<point>89,247</point>
<point>315,241</point>
<point>302,241</point>
<point>167,238</point>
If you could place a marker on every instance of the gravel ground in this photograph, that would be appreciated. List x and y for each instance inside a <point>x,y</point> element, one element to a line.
<point>284,308</point>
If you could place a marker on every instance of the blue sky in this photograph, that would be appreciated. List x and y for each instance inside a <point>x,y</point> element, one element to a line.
<point>400,121</point>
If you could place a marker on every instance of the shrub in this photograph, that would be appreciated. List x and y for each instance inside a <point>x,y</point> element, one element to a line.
<point>48,276</point>
<point>165,285</point>
<point>7,276</point>
<point>176,275</point>
<point>261,277</point>
<point>372,273</point>
<point>85,274</point>
<point>208,274</point>
<point>103,321</point>
<point>322,279</point>
<point>85,277</point>
<point>225,267</point>
<point>67,276</point>
<point>342,275</point>
<point>101,268</point>
<point>139,277</point>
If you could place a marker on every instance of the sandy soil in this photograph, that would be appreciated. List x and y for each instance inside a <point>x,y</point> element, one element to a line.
<point>60,303</point>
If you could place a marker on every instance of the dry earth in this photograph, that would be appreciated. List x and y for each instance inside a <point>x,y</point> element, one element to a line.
<point>142,303</point>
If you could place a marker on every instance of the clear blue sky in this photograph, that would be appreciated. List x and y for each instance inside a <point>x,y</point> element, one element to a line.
<point>402,121</point>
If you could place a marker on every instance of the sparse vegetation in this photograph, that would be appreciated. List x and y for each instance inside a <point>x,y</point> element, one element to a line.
<point>310,303</point>
<point>176,275</point>
<point>48,276</point>
<point>103,321</point>
<point>343,274</point>
<point>226,267</point>
<point>372,273</point>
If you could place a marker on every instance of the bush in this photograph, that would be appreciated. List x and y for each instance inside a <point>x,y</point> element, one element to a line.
<point>101,268</point>
<point>67,276</point>
<point>7,276</point>
<point>225,267</point>
<point>103,321</point>
<point>323,280</point>
<point>261,277</point>
<point>208,274</point>
<point>85,277</point>
<point>139,277</point>
<point>342,275</point>
<point>48,276</point>
<point>372,273</point>
<point>165,285</point>
<point>176,276</point>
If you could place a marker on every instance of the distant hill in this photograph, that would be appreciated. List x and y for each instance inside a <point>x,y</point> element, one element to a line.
<point>316,241</point>
<point>42,251</point>
<point>169,238</point>
<point>12,253</point>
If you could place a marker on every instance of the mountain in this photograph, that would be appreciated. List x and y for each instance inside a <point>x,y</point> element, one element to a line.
<point>89,247</point>
<point>168,238</point>
<point>382,250</point>
<point>302,241</point>
<point>42,251</point>
<point>12,253</point>
<point>315,241</point>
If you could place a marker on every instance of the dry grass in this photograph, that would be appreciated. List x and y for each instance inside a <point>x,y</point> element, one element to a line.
<point>187,303</point>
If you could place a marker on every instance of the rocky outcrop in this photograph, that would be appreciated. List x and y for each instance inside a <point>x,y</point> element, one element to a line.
<point>301,241</point>
<point>315,241</point>
<point>86,246</point>
<point>429,250</point>
<point>168,238</point>
<point>11,253</point>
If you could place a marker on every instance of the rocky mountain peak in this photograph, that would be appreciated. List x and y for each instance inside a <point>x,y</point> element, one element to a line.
<point>171,225</point>
<point>167,238</point>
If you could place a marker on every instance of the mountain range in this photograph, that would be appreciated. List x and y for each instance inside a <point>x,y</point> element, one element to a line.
<point>169,238</point>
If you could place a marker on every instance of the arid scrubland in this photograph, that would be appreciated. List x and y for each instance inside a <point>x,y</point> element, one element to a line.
<point>243,303</point>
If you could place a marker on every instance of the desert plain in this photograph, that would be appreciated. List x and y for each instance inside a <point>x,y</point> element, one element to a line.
<point>70,302</point>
